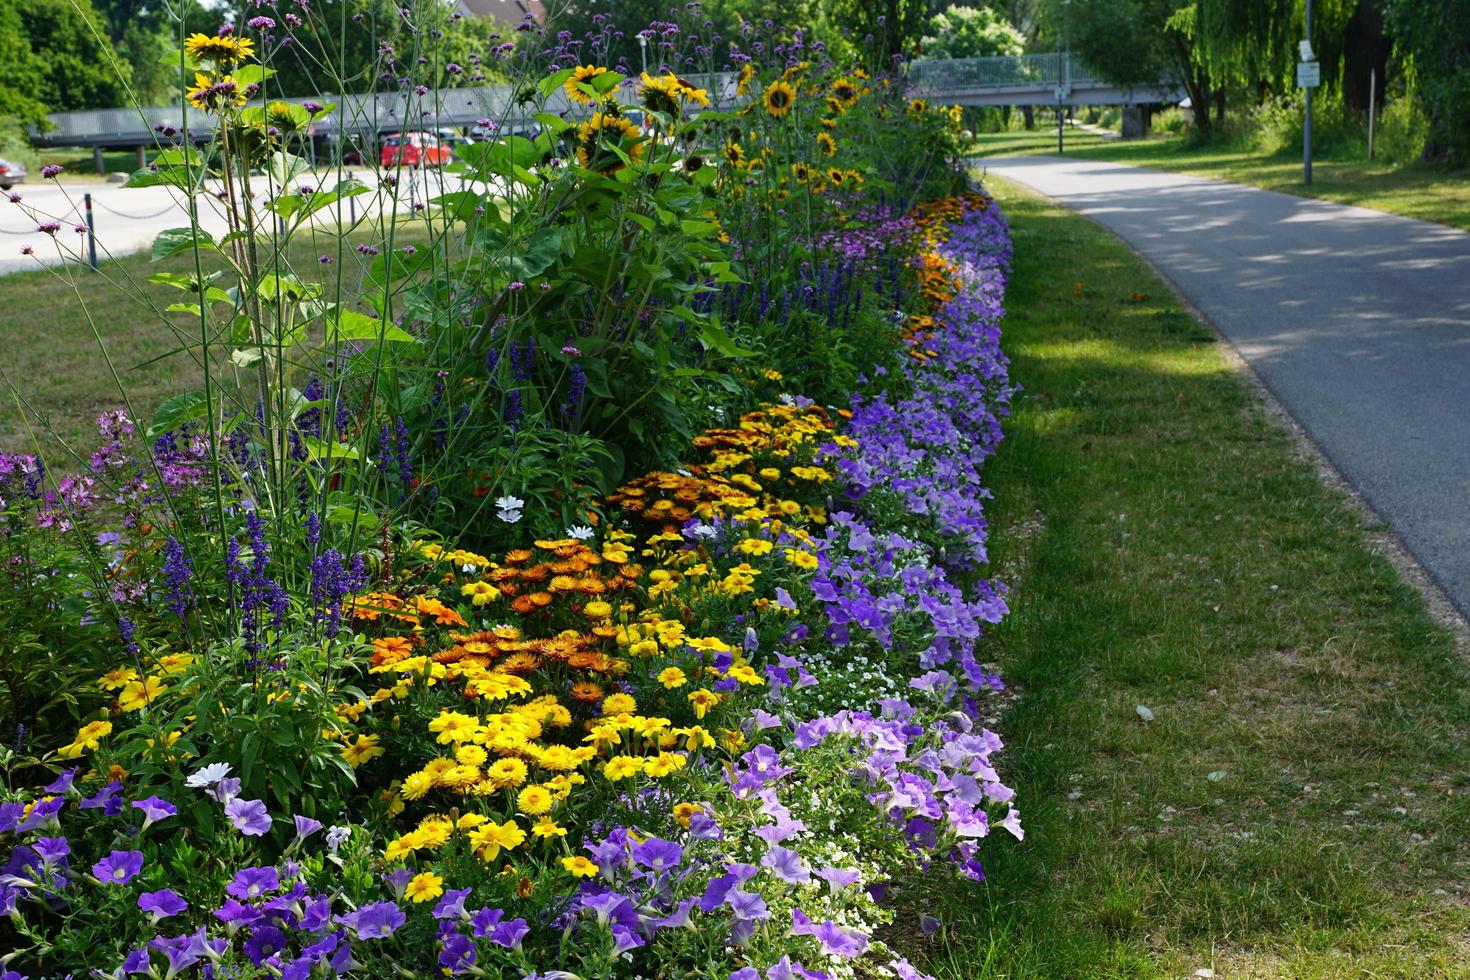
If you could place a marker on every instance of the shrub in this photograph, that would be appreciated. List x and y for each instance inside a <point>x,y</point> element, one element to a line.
<point>1402,131</point>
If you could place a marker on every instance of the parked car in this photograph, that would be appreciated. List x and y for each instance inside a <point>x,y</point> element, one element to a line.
<point>11,173</point>
<point>414,150</point>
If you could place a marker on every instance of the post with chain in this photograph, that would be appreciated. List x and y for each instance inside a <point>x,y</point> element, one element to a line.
<point>91,230</point>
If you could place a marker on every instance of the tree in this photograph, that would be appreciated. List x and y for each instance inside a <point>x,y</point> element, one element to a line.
<point>972,32</point>
<point>1254,42</point>
<point>143,32</point>
<point>608,30</point>
<point>1433,40</point>
<point>53,57</point>
<point>1140,42</point>
<point>893,27</point>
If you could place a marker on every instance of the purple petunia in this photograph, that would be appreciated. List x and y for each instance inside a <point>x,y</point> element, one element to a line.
<point>251,883</point>
<point>376,920</point>
<point>119,867</point>
<point>249,817</point>
<point>305,826</point>
<point>154,810</point>
<point>161,904</point>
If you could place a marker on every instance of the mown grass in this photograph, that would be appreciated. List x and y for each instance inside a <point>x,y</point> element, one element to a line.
<point>1297,807</point>
<point>1416,190</point>
<point>58,322</point>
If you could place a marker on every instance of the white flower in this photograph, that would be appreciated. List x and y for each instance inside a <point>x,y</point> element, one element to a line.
<point>580,532</point>
<point>510,508</point>
<point>1012,822</point>
<point>208,776</point>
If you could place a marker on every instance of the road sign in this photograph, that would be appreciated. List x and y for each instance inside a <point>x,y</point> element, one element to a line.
<point>1308,74</point>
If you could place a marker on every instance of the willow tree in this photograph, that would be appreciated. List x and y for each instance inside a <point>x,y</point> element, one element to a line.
<point>1254,42</point>
<point>1433,39</point>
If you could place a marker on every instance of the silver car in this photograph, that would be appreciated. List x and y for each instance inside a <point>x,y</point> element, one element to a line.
<point>11,173</point>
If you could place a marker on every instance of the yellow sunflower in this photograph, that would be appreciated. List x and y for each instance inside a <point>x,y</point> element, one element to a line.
<point>210,95</point>
<point>778,99</point>
<point>734,154</point>
<point>222,51</point>
<point>845,91</point>
<point>743,80</point>
<point>827,144</point>
<point>582,75</point>
<point>613,130</point>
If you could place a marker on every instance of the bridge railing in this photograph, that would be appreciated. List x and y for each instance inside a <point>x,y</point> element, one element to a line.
<point>1022,71</point>
<point>363,116</point>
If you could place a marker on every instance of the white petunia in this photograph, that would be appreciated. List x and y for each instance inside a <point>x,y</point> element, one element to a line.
<point>208,776</point>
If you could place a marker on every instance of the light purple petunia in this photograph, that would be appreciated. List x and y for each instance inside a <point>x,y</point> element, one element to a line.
<point>154,810</point>
<point>249,817</point>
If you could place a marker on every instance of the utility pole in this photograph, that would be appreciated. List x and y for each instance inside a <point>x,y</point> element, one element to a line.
<point>1307,125</point>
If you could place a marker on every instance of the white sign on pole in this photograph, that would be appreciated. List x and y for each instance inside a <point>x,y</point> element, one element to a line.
<point>1308,74</point>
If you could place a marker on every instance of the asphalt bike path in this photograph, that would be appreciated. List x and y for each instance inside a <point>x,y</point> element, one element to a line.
<point>1356,320</point>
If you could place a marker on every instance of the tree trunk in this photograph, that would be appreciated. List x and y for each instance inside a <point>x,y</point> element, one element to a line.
<point>1028,114</point>
<point>1220,108</point>
<point>1199,102</point>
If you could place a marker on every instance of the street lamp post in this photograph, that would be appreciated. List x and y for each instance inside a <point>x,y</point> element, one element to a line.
<point>643,50</point>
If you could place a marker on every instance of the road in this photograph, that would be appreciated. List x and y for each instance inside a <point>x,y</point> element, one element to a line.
<point>1357,321</point>
<point>128,219</point>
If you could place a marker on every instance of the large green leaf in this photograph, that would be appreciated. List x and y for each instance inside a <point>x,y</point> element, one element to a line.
<point>351,325</point>
<point>178,411</point>
<point>540,254</point>
<point>176,240</point>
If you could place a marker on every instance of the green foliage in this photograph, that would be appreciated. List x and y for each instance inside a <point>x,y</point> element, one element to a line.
<point>1128,42</point>
<point>54,55</point>
<point>887,27</point>
<point>971,32</point>
<point>1172,120</point>
<point>1430,37</point>
<point>612,27</point>
<point>1402,131</point>
<point>1276,125</point>
<point>1255,41</point>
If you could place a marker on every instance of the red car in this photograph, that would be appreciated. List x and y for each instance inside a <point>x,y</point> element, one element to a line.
<point>414,150</point>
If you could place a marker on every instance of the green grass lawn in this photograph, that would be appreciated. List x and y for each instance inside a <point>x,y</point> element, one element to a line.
<point>1416,190</point>
<point>54,379</point>
<point>1299,804</point>
<point>79,162</point>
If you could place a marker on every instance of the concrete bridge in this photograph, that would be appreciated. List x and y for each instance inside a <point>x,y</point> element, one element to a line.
<point>1032,79</point>
<point>356,118</point>
<point>1028,79</point>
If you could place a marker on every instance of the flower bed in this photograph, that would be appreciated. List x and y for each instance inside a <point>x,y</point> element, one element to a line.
<point>700,739</point>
